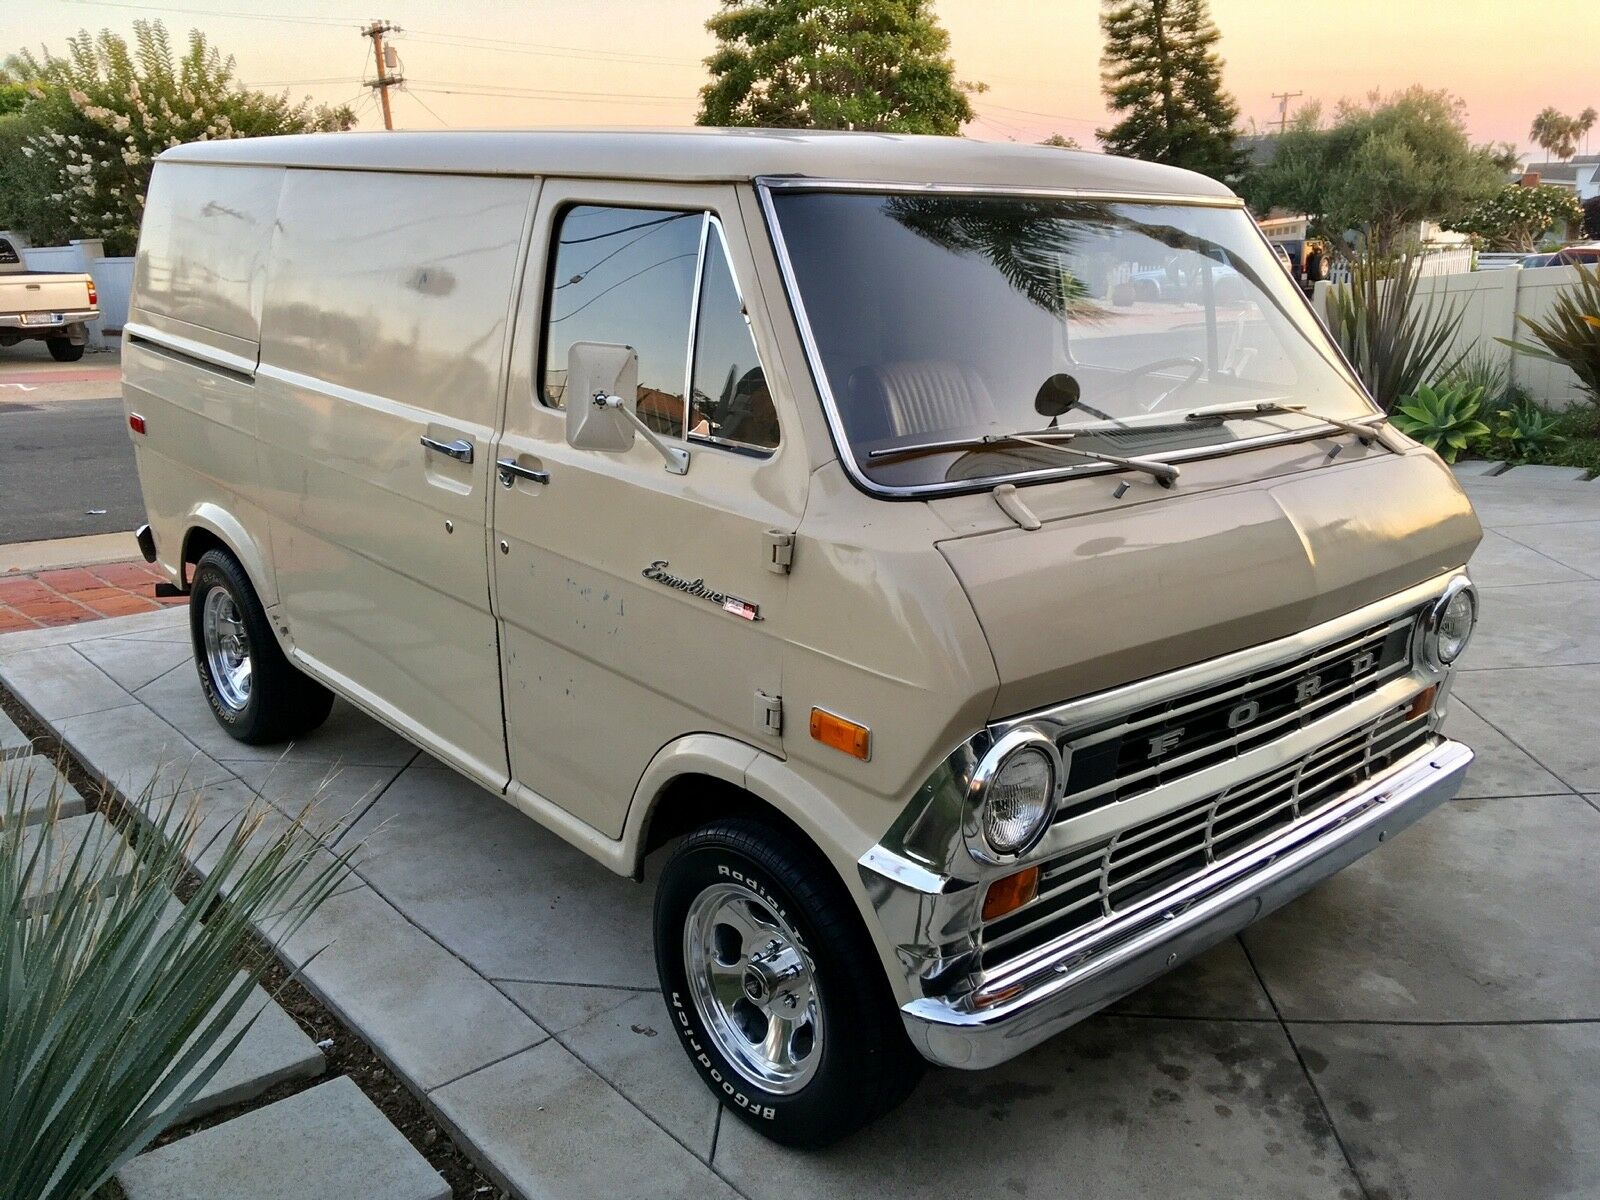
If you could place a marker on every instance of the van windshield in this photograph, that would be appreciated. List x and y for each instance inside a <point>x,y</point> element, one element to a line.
<point>945,316</point>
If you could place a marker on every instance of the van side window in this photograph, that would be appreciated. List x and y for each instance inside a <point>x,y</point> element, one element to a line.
<point>625,275</point>
<point>728,401</point>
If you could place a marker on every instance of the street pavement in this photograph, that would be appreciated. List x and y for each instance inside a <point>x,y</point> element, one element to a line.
<point>1424,1025</point>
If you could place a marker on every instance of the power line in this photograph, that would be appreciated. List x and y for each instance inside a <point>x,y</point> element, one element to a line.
<point>490,88</point>
<point>1036,113</point>
<point>326,22</point>
<point>428,108</point>
<point>381,59</point>
<point>504,45</point>
<point>576,97</point>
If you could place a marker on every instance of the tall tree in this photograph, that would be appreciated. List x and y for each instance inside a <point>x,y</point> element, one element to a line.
<point>98,116</point>
<point>1161,70</point>
<point>821,64</point>
<point>1516,217</point>
<point>1556,133</point>
<point>1379,167</point>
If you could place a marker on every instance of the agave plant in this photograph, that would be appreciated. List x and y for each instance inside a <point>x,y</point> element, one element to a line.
<point>1394,342</point>
<point>1571,334</point>
<point>1525,431</point>
<point>1445,419</point>
<point>114,999</point>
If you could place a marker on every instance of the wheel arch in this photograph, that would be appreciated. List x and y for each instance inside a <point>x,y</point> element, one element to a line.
<point>210,526</point>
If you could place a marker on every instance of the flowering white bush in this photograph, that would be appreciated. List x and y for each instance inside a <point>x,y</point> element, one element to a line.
<point>99,116</point>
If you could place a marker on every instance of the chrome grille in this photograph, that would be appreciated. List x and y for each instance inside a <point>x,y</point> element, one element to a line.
<point>1095,882</point>
<point>1159,743</point>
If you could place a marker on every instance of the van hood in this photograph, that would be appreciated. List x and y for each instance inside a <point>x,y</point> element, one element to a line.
<point>1096,600</point>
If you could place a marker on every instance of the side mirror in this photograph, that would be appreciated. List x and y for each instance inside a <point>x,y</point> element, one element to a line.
<point>602,390</point>
<point>606,370</point>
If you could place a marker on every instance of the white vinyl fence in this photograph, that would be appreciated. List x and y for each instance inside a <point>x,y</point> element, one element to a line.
<point>113,279</point>
<point>1490,303</point>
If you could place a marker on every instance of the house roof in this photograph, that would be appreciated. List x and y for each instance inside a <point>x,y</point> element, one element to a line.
<point>700,155</point>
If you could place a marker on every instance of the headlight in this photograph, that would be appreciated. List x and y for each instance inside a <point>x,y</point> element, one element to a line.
<point>1447,624</point>
<point>1016,787</point>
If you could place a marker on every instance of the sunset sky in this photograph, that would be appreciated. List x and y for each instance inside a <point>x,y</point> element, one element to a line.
<point>638,62</point>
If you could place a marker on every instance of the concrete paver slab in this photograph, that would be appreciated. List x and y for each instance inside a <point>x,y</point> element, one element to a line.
<point>273,1051</point>
<point>347,736</point>
<point>1553,713</point>
<point>57,682</point>
<point>135,662</point>
<point>1544,474</point>
<point>548,1126</point>
<point>1476,467</point>
<point>1504,501</point>
<point>327,1143</point>
<point>1542,625</point>
<point>636,1049</point>
<point>340,792</point>
<point>1501,561</point>
<point>1485,910</point>
<point>1447,1112</point>
<point>1219,984</point>
<point>164,622</point>
<point>1115,1107</point>
<point>514,900</point>
<point>91,835</point>
<point>12,740</point>
<point>1575,544</point>
<point>133,749</point>
<point>416,1003</point>
<point>1499,767</point>
<point>37,782</point>
<point>559,1006</point>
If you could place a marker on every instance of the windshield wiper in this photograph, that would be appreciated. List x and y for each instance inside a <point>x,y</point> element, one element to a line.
<point>1046,439</point>
<point>1367,432</point>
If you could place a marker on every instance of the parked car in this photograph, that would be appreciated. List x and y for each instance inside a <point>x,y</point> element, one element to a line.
<point>42,306</point>
<point>1549,259</point>
<point>802,509</point>
<point>1585,254</point>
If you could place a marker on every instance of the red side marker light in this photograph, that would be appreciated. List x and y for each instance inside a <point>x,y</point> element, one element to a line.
<point>136,422</point>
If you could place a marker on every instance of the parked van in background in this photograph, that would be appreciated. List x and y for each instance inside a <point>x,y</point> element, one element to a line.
<point>981,633</point>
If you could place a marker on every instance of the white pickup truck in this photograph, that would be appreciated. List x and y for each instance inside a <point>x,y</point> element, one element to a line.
<point>38,304</point>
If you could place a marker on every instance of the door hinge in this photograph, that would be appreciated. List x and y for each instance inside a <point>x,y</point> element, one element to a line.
<point>769,713</point>
<point>779,550</point>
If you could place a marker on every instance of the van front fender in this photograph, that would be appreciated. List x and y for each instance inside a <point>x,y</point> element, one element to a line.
<point>227,528</point>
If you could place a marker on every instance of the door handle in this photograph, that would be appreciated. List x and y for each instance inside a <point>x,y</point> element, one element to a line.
<point>511,470</point>
<point>460,449</point>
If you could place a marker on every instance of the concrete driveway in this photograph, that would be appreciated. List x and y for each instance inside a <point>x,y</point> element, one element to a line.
<point>1426,1024</point>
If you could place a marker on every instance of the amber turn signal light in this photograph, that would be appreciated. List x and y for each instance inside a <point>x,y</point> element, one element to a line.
<point>1011,893</point>
<point>1423,703</point>
<point>855,740</point>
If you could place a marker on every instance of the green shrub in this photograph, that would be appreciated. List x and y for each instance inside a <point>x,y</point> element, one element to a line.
<point>1445,419</point>
<point>1489,373</point>
<point>113,997</point>
<point>1394,342</point>
<point>1523,431</point>
<point>1571,335</point>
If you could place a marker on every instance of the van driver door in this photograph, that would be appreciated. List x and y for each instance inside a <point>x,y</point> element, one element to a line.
<point>637,605</point>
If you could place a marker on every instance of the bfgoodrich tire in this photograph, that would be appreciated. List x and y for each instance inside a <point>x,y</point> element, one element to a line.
<point>774,988</point>
<point>254,692</point>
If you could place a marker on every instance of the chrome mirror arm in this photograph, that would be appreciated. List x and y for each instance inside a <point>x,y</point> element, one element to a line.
<point>677,458</point>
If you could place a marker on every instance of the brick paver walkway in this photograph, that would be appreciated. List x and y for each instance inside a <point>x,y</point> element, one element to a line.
<point>71,594</point>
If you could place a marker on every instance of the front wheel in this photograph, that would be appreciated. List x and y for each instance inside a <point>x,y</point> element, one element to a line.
<point>774,987</point>
<point>255,693</point>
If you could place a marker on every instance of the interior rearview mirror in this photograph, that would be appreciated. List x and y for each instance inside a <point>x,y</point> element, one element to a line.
<point>601,395</point>
<point>601,369</point>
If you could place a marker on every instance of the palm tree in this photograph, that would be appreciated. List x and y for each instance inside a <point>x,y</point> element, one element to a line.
<point>1586,120</point>
<point>1556,133</point>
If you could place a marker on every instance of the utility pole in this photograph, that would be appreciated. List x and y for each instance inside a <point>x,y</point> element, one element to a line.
<point>384,56</point>
<point>1283,99</point>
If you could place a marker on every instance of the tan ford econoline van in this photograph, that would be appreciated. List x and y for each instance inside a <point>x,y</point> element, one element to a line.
<point>973,561</point>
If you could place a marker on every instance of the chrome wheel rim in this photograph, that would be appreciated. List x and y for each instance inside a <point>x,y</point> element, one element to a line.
<point>227,649</point>
<point>754,988</point>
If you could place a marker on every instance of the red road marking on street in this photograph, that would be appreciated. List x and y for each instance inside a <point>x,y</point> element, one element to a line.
<point>88,375</point>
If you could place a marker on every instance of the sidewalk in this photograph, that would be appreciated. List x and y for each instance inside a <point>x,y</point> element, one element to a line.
<point>1425,1024</point>
<point>69,595</point>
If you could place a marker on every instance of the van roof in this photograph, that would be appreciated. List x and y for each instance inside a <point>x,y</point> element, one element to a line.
<point>700,154</point>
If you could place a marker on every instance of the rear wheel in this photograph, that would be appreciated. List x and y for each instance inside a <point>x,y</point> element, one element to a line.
<point>63,350</point>
<point>774,987</point>
<point>254,691</point>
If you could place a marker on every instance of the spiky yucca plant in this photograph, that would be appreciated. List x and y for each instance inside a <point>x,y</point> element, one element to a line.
<point>1395,343</point>
<point>114,999</point>
<point>1571,334</point>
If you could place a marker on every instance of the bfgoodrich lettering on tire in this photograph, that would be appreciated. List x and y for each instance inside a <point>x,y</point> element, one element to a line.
<point>254,692</point>
<point>774,988</point>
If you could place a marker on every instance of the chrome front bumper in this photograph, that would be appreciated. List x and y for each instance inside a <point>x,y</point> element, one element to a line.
<point>1101,964</point>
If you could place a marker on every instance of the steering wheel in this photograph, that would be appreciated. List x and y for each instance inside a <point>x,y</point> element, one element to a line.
<point>1196,369</point>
